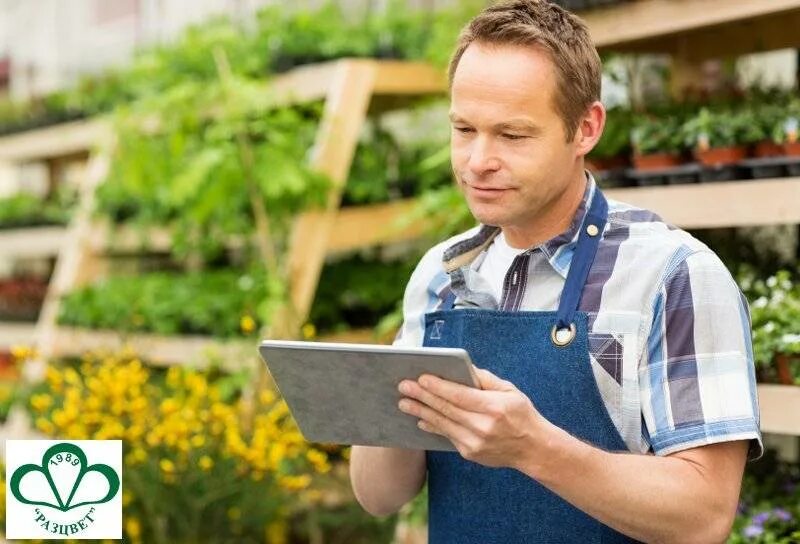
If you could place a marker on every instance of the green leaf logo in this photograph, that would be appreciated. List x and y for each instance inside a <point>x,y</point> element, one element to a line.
<point>64,481</point>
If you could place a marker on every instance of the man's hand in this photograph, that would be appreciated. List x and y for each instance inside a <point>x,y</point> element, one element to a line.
<point>494,426</point>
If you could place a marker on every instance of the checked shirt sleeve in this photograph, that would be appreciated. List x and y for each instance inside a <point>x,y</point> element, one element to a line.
<point>696,376</point>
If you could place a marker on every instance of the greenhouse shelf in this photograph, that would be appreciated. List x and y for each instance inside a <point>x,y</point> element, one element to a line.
<point>60,140</point>
<point>13,334</point>
<point>780,408</point>
<point>31,242</point>
<point>356,227</point>
<point>696,28</point>
<point>719,204</point>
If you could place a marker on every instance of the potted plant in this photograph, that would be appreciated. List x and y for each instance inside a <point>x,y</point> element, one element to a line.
<point>775,320</point>
<point>719,138</point>
<point>613,150</point>
<point>657,142</point>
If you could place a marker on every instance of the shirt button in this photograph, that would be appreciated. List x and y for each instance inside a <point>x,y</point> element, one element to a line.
<point>592,230</point>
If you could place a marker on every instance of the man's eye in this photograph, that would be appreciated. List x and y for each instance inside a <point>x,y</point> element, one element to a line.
<point>513,136</point>
<point>463,130</point>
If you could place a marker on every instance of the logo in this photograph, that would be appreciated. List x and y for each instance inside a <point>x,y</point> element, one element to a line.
<point>61,490</point>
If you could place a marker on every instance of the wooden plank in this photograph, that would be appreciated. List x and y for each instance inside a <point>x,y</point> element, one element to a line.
<point>721,204</point>
<point>55,141</point>
<point>158,350</point>
<point>624,24</point>
<point>780,408</point>
<point>408,78</point>
<point>345,110</point>
<point>355,227</point>
<point>12,334</point>
<point>75,264</point>
<point>31,242</point>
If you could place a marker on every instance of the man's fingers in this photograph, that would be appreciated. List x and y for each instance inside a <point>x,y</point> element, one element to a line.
<point>462,396</point>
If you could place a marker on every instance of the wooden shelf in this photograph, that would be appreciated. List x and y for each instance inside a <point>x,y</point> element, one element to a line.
<point>780,408</point>
<point>31,242</point>
<point>355,227</point>
<point>696,28</point>
<point>158,350</point>
<point>719,204</point>
<point>12,334</point>
<point>198,351</point>
<point>56,141</point>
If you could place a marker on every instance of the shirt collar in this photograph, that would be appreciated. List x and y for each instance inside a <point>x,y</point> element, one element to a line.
<point>558,250</point>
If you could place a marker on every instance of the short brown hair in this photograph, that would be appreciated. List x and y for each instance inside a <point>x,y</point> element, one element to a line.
<point>561,34</point>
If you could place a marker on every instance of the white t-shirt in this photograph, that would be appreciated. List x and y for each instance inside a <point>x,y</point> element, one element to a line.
<point>495,265</point>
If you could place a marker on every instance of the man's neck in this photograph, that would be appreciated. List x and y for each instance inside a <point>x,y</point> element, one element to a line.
<point>556,219</point>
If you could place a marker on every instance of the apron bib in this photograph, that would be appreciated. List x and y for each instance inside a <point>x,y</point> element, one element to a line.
<point>546,356</point>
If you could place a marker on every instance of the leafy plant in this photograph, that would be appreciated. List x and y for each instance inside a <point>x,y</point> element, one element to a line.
<point>775,316</point>
<point>657,134</point>
<point>616,139</point>
<point>723,128</point>
<point>222,303</point>
<point>27,210</point>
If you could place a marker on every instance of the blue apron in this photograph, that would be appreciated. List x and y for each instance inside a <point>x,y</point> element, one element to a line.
<point>546,356</point>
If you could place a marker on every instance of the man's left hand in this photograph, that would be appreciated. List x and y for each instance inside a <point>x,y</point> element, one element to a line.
<point>495,426</point>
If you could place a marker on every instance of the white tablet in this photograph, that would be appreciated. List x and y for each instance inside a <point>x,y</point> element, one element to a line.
<point>347,393</point>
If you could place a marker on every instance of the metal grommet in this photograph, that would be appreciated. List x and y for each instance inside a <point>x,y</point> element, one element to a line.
<point>562,337</point>
<point>592,230</point>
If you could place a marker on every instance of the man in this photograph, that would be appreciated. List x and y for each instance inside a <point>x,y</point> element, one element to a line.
<point>617,397</point>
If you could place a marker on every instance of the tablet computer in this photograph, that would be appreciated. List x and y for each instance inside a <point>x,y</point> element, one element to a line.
<point>347,393</point>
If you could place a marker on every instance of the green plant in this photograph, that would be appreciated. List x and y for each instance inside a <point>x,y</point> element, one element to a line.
<point>710,128</point>
<point>769,505</point>
<point>775,316</point>
<point>25,210</point>
<point>616,139</point>
<point>657,134</point>
<point>221,303</point>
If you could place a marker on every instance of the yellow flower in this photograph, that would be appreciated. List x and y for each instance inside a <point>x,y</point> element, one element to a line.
<point>309,331</point>
<point>167,466</point>
<point>247,324</point>
<point>41,402</point>
<point>127,497</point>
<point>295,483</point>
<point>133,527</point>
<point>21,352</point>
<point>205,463</point>
<point>234,513</point>
<point>277,532</point>
<point>45,426</point>
<point>266,397</point>
<point>168,406</point>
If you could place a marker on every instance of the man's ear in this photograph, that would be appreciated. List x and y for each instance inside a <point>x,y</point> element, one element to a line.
<point>590,128</point>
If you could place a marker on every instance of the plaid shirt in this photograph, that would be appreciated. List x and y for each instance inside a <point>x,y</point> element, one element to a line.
<point>669,329</point>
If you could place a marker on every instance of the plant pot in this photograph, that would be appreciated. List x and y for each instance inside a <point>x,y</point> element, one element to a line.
<point>783,366</point>
<point>768,148</point>
<point>792,149</point>
<point>717,156</point>
<point>656,161</point>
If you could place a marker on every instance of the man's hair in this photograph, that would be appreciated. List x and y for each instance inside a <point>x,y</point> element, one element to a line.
<point>563,36</point>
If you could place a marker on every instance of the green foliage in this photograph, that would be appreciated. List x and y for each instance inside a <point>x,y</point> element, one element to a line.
<point>769,505</point>
<point>192,173</point>
<point>657,134</point>
<point>616,139</point>
<point>775,315</point>
<point>26,210</point>
<point>355,292</point>
<point>207,303</point>
<point>710,128</point>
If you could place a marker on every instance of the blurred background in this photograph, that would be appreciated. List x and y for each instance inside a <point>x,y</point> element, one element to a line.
<point>179,180</point>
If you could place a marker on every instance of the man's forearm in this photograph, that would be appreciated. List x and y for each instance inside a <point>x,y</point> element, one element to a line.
<point>652,499</point>
<point>384,479</point>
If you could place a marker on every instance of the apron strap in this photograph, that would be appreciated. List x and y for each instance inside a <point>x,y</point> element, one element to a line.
<point>586,249</point>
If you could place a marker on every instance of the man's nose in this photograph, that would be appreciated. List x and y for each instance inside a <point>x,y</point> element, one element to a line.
<point>482,156</point>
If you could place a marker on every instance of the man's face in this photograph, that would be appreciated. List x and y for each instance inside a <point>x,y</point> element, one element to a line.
<point>508,145</point>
